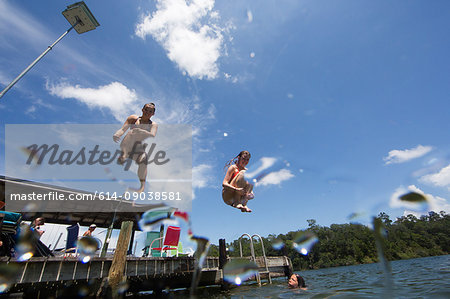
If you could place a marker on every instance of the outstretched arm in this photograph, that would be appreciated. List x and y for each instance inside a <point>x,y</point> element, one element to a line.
<point>130,120</point>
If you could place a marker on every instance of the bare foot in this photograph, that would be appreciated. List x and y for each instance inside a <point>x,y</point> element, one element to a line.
<point>137,190</point>
<point>249,196</point>
<point>245,209</point>
<point>240,207</point>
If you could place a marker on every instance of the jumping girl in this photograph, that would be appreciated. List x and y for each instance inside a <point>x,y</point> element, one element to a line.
<point>236,190</point>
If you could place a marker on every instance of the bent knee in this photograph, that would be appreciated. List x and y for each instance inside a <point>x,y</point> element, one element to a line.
<point>228,196</point>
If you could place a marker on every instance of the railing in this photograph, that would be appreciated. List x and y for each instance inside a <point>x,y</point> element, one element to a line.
<point>253,257</point>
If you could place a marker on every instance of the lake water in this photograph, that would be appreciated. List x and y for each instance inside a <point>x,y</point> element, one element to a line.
<point>415,278</point>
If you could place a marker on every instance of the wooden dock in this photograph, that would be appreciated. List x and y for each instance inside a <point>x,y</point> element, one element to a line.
<point>51,275</point>
<point>42,277</point>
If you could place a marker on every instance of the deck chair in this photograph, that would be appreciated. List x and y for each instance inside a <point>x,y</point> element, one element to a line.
<point>9,222</point>
<point>150,236</point>
<point>170,242</point>
<point>72,237</point>
<point>177,251</point>
<point>9,227</point>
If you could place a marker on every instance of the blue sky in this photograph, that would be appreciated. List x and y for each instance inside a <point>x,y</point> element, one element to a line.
<point>343,103</point>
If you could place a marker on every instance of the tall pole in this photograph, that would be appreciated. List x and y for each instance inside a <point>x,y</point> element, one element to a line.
<point>107,239</point>
<point>36,61</point>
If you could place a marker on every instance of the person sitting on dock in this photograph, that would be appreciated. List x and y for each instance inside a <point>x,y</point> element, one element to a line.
<point>236,190</point>
<point>296,281</point>
<point>141,127</point>
<point>89,232</point>
<point>36,226</point>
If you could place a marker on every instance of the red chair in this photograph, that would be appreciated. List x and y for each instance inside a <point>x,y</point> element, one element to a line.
<point>171,238</point>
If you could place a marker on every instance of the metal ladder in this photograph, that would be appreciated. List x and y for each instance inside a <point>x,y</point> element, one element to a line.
<point>253,258</point>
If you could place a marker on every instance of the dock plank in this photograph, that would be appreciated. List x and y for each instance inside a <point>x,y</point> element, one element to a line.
<point>143,273</point>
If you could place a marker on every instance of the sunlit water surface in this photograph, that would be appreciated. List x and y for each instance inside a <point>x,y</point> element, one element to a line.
<point>415,278</point>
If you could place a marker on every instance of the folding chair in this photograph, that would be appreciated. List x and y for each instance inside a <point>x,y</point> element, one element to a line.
<point>178,251</point>
<point>72,237</point>
<point>171,240</point>
<point>150,236</point>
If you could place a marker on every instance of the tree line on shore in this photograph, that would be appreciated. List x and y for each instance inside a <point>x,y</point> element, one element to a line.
<point>351,244</point>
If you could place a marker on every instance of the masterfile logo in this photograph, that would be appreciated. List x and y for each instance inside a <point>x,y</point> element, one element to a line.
<point>84,159</point>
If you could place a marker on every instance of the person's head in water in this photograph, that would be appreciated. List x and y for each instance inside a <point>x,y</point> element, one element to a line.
<point>296,281</point>
<point>241,160</point>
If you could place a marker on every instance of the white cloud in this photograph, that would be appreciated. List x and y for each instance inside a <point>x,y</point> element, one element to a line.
<point>182,110</point>
<point>31,109</point>
<point>440,179</point>
<point>32,33</point>
<point>434,203</point>
<point>266,162</point>
<point>401,156</point>
<point>26,27</point>
<point>190,34</point>
<point>4,80</point>
<point>115,96</point>
<point>275,178</point>
<point>201,176</point>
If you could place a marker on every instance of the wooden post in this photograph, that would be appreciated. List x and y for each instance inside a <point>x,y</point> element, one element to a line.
<point>107,239</point>
<point>223,258</point>
<point>130,249</point>
<point>116,272</point>
<point>222,253</point>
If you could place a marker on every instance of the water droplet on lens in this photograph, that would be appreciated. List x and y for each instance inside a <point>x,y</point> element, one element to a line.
<point>86,259</point>
<point>25,257</point>
<point>87,246</point>
<point>238,281</point>
<point>277,244</point>
<point>414,201</point>
<point>152,219</point>
<point>8,272</point>
<point>304,241</point>
<point>238,270</point>
<point>413,197</point>
<point>24,247</point>
<point>83,291</point>
<point>3,287</point>
<point>202,248</point>
<point>122,288</point>
<point>182,215</point>
<point>356,216</point>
